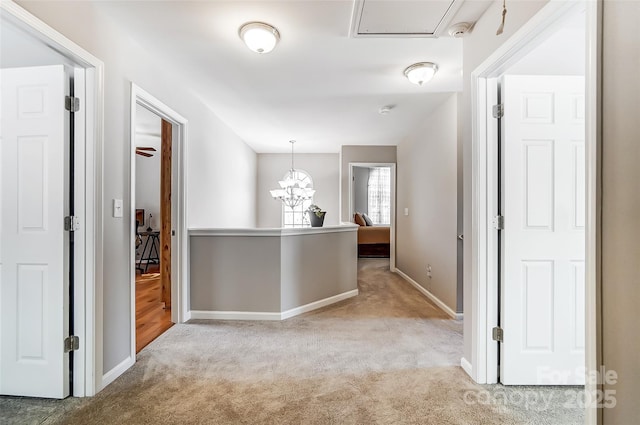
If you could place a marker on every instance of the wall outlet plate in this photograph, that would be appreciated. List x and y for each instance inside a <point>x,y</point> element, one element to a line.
<point>118,208</point>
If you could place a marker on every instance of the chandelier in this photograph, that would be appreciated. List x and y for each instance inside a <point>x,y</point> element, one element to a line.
<point>293,191</point>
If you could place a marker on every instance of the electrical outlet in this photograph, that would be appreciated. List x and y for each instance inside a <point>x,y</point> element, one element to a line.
<point>429,271</point>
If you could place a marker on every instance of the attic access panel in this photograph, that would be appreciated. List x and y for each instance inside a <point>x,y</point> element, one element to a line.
<point>402,18</point>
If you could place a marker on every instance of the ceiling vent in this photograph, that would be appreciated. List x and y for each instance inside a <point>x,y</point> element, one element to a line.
<point>402,18</point>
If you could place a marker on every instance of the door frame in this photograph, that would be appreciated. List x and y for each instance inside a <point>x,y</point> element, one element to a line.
<point>87,306</point>
<point>392,166</point>
<point>179,260</point>
<point>483,367</point>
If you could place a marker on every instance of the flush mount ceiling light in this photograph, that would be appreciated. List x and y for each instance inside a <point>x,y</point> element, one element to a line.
<point>421,72</point>
<point>259,37</point>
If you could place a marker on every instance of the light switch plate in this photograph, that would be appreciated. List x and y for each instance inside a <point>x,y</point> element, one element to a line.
<point>117,208</point>
<point>406,211</point>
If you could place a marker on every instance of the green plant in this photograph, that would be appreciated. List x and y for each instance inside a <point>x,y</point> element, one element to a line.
<point>313,208</point>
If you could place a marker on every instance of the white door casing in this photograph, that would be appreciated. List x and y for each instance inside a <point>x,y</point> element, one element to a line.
<point>34,246</point>
<point>543,242</point>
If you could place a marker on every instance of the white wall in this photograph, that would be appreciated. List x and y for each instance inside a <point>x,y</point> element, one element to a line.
<point>427,181</point>
<point>148,129</point>
<point>477,47</point>
<point>360,190</point>
<point>19,50</point>
<point>324,169</point>
<point>215,155</point>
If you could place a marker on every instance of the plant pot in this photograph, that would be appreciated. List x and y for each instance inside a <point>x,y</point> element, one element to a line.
<point>315,220</point>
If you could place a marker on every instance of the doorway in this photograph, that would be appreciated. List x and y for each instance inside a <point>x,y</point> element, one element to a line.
<point>158,237</point>
<point>372,192</point>
<point>153,143</point>
<point>57,322</point>
<point>488,265</point>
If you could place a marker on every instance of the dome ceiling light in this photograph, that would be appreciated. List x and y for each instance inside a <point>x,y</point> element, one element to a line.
<point>259,37</point>
<point>421,72</point>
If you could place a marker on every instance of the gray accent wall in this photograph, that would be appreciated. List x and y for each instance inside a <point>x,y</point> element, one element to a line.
<point>320,266</point>
<point>257,273</point>
<point>215,155</point>
<point>366,154</point>
<point>427,186</point>
<point>235,273</point>
<point>621,207</point>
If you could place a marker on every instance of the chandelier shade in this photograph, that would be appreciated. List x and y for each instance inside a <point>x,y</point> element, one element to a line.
<point>293,191</point>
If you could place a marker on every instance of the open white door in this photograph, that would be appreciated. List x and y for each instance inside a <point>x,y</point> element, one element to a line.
<point>34,286</point>
<point>543,242</point>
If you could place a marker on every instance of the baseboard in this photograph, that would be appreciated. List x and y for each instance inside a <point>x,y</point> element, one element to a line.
<point>252,315</point>
<point>318,304</point>
<point>466,366</point>
<point>436,300</point>
<point>233,315</point>
<point>114,373</point>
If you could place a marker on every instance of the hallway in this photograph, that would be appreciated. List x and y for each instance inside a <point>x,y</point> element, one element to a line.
<point>387,356</point>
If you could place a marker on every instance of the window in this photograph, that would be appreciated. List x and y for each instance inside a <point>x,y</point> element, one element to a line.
<point>379,197</point>
<point>297,217</point>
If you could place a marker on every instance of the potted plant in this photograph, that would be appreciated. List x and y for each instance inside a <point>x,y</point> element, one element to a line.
<point>316,215</point>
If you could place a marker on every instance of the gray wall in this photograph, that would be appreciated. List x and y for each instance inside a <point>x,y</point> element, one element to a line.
<point>214,155</point>
<point>621,207</point>
<point>235,273</point>
<point>324,169</point>
<point>270,273</point>
<point>360,190</point>
<point>370,154</point>
<point>427,185</point>
<point>319,266</point>
<point>477,47</point>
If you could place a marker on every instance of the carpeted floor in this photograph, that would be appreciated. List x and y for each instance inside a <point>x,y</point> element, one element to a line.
<point>387,356</point>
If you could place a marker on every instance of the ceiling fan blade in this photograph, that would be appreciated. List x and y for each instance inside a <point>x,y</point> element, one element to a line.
<point>143,153</point>
<point>145,148</point>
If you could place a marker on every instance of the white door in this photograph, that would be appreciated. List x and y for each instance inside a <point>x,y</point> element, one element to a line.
<point>543,242</point>
<point>34,248</point>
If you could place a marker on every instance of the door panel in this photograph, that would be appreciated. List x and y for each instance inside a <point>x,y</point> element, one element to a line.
<point>543,245</point>
<point>33,249</point>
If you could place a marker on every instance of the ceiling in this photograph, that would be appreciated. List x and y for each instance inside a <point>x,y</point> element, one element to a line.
<point>319,86</point>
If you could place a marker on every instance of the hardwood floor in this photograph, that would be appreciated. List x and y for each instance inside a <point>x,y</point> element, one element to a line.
<point>152,319</point>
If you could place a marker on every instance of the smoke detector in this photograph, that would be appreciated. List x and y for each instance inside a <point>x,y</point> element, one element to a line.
<point>386,109</point>
<point>459,30</point>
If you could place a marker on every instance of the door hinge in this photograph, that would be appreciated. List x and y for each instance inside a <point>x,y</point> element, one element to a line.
<point>498,110</point>
<point>498,222</point>
<point>71,343</point>
<point>71,104</point>
<point>71,223</point>
<point>498,334</point>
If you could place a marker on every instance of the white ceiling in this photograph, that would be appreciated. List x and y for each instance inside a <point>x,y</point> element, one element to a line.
<point>318,86</point>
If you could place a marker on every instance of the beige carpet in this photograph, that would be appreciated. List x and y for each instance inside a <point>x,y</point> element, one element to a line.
<point>387,356</point>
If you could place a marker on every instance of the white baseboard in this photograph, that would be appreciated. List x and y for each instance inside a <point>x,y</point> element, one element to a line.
<point>253,315</point>
<point>436,300</point>
<point>233,315</point>
<point>466,366</point>
<point>114,373</point>
<point>318,304</point>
